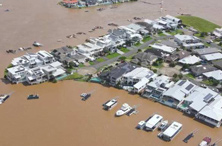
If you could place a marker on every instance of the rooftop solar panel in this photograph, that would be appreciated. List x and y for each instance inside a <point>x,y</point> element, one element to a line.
<point>190,86</point>
<point>181,83</point>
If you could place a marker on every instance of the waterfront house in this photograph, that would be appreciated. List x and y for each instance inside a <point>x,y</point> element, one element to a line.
<point>134,76</point>
<point>35,76</point>
<point>189,42</point>
<point>218,32</point>
<point>45,57</point>
<point>144,59</point>
<point>198,70</point>
<point>164,48</point>
<point>192,59</point>
<point>139,29</point>
<point>146,26</point>
<point>176,94</point>
<point>157,87</point>
<point>178,55</point>
<point>197,100</point>
<point>212,113</point>
<point>16,74</point>
<point>216,74</point>
<point>113,76</point>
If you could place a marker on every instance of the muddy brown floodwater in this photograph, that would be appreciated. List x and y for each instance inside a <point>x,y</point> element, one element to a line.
<point>59,117</point>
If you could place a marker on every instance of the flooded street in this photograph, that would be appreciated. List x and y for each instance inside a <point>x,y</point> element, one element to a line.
<point>59,117</point>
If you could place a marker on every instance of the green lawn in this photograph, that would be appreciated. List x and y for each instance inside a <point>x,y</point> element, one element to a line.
<point>81,65</point>
<point>113,55</point>
<point>208,82</point>
<point>198,23</point>
<point>190,76</point>
<point>161,34</point>
<point>91,63</point>
<point>100,60</point>
<point>146,39</point>
<point>125,50</point>
<point>73,76</point>
<point>177,31</point>
<point>137,44</point>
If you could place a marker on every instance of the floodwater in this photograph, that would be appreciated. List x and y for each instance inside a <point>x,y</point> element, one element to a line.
<point>59,117</point>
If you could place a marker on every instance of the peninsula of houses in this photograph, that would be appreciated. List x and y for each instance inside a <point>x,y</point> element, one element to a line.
<point>164,60</point>
<point>90,3</point>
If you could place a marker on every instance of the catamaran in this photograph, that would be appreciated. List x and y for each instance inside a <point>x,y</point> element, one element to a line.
<point>123,110</point>
<point>153,122</point>
<point>110,104</point>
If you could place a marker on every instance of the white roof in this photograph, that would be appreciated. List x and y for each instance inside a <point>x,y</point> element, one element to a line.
<point>58,72</point>
<point>16,69</point>
<point>149,21</point>
<point>56,64</point>
<point>216,74</point>
<point>185,37</point>
<point>127,29</point>
<point>214,110</point>
<point>163,47</point>
<point>193,44</point>
<point>180,90</point>
<point>155,119</point>
<point>172,18</point>
<point>141,83</point>
<point>192,59</point>
<point>44,54</point>
<point>172,129</point>
<point>214,56</point>
<point>157,26</point>
<point>162,22</point>
<point>159,80</point>
<point>200,97</point>
<point>134,26</point>
<point>139,73</point>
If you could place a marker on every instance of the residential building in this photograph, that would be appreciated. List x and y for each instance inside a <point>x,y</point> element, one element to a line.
<point>198,70</point>
<point>192,59</point>
<point>134,76</point>
<point>212,113</point>
<point>197,100</point>
<point>189,42</point>
<point>144,59</point>
<point>211,57</point>
<point>164,48</point>
<point>178,56</point>
<point>176,94</point>
<point>216,74</point>
<point>206,51</point>
<point>159,53</point>
<point>114,75</point>
<point>218,64</point>
<point>138,29</point>
<point>218,32</point>
<point>16,74</point>
<point>157,87</point>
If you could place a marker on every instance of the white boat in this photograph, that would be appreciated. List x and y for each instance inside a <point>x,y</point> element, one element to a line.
<point>140,125</point>
<point>153,122</point>
<point>110,104</point>
<point>37,44</point>
<point>123,110</point>
<point>163,125</point>
<point>3,98</point>
<point>206,141</point>
<point>171,131</point>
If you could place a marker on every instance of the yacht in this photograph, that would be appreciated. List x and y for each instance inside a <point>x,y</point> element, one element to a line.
<point>163,125</point>
<point>3,98</point>
<point>110,104</point>
<point>206,141</point>
<point>123,110</point>
<point>37,44</point>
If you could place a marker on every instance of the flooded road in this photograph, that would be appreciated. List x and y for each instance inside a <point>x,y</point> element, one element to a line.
<point>59,117</point>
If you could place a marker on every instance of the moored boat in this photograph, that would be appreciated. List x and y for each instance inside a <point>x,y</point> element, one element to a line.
<point>110,104</point>
<point>123,110</point>
<point>33,96</point>
<point>37,44</point>
<point>206,141</point>
<point>163,125</point>
<point>3,98</point>
<point>85,96</point>
<point>140,125</point>
<point>153,122</point>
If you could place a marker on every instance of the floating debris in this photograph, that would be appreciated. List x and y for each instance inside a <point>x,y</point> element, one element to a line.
<point>113,24</point>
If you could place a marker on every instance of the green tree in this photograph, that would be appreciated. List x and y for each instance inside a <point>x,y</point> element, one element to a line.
<point>175,76</point>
